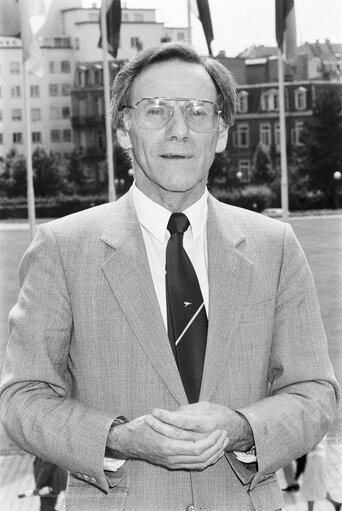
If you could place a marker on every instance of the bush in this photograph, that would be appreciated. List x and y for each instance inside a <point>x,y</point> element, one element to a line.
<point>253,197</point>
<point>49,207</point>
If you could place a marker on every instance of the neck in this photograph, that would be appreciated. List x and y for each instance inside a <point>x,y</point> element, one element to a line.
<point>174,201</point>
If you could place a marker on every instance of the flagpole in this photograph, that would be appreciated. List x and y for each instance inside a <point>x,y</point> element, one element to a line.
<point>282,126</point>
<point>110,159</point>
<point>189,22</point>
<point>28,150</point>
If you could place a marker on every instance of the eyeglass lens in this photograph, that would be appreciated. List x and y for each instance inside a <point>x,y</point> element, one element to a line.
<point>154,113</point>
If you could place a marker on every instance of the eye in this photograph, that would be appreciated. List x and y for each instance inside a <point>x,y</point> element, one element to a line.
<point>155,111</point>
<point>196,111</point>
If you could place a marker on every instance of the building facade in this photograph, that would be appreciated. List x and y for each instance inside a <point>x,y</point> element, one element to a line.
<point>68,41</point>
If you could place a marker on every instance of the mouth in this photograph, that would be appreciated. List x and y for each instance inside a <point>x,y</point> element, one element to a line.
<point>175,156</point>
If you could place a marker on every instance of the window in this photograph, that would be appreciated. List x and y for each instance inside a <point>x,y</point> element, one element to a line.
<point>65,66</point>
<point>77,43</point>
<point>14,68</point>
<point>296,133</point>
<point>66,87</point>
<point>55,112</point>
<point>53,66</point>
<point>35,114</point>
<point>55,136</point>
<point>1,139</point>
<point>277,134</point>
<point>65,112</point>
<point>15,91</point>
<point>34,91</point>
<point>53,89</point>
<point>244,171</point>
<point>269,100</point>
<point>243,97</point>
<point>16,114</point>
<point>82,108</point>
<point>136,43</point>
<point>36,137</point>
<point>300,98</point>
<point>17,138</point>
<point>138,17</point>
<point>265,134</point>
<point>180,36</point>
<point>98,77</point>
<point>67,135</point>
<point>99,108</point>
<point>241,135</point>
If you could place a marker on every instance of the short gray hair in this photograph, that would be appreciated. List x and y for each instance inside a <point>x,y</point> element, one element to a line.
<point>123,83</point>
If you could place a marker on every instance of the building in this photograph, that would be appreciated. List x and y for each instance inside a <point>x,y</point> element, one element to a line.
<point>68,40</point>
<point>317,68</point>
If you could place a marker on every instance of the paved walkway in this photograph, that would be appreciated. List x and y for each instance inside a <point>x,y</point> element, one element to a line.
<point>16,477</point>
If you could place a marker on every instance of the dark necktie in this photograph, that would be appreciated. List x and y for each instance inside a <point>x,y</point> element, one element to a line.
<point>186,316</point>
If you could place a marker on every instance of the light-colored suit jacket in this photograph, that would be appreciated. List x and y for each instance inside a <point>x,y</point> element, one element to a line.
<point>88,344</point>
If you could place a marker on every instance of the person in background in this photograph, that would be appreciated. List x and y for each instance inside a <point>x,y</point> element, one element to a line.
<point>315,477</point>
<point>167,349</point>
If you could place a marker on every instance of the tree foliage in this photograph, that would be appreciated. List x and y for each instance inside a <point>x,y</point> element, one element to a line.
<point>321,154</point>
<point>262,168</point>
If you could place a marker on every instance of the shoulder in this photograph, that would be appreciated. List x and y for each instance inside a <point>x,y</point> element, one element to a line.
<point>88,222</point>
<point>249,223</point>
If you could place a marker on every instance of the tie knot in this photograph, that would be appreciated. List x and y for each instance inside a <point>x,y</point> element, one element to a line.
<point>178,223</point>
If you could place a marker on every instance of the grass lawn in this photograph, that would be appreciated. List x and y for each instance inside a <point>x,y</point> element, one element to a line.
<point>321,239</point>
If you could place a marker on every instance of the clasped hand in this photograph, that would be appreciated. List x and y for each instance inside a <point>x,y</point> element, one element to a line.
<point>192,437</point>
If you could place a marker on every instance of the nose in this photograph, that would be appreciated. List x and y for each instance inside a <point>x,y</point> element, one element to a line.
<point>177,128</point>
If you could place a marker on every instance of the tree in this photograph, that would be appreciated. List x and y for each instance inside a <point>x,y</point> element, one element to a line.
<point>222,175</point>
<point>74,170</point>
<point>321,154</point>
<point>262,168</point>
<point>48,175</point>
<point>13,174</point>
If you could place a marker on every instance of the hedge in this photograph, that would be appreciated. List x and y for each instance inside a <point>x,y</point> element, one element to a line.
<point>48,207</point>
<point>254,197</point>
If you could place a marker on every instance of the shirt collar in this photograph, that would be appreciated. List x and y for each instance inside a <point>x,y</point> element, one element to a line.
<point>154,217</point>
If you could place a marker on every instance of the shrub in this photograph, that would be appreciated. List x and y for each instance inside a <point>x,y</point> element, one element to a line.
<point>253,197</point>
<point>49,207</point>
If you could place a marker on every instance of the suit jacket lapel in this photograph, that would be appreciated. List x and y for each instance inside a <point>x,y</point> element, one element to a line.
<point>229,280</point>
<point>128,274</point>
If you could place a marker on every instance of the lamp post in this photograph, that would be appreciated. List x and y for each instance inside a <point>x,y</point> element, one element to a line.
<point>337,180</point>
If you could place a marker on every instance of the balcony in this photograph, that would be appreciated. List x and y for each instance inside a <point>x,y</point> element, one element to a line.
<point>87,121</point>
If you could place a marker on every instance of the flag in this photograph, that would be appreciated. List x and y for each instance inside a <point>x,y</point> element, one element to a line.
<point>201,10</point>
<point>286,27</point>
<point>25,18</point>
<point>113,22</point>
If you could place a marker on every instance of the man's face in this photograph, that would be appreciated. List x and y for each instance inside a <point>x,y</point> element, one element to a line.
<point>173,158</point>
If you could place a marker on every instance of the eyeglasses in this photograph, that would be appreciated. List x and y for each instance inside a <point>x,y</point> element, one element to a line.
<point>154,113</point>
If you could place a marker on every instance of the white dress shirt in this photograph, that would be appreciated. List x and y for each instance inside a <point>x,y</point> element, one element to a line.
<point>153,220</point>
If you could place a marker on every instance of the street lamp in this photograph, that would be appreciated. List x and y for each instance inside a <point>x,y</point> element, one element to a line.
<point>239,175</point>
<point>337,180</point>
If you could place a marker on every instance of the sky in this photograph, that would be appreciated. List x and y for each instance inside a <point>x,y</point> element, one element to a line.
<point>239,24</point>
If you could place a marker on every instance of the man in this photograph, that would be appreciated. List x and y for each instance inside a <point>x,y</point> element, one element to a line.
<point>109,377</point>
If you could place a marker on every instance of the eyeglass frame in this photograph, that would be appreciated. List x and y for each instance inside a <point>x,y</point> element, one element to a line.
<point>187,100</point>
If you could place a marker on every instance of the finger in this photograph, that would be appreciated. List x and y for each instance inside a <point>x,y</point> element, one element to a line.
<point>179,420</point>
<point>172,431</point>
<point>200,447</point>
<point>208,457</point>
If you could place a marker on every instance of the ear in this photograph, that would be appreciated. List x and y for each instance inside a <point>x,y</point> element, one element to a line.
<point>123,138</point>
<point>222,140</point>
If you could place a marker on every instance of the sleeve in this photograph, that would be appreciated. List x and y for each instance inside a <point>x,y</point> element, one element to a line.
<point>303,391</point>
<point>37,408</point>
